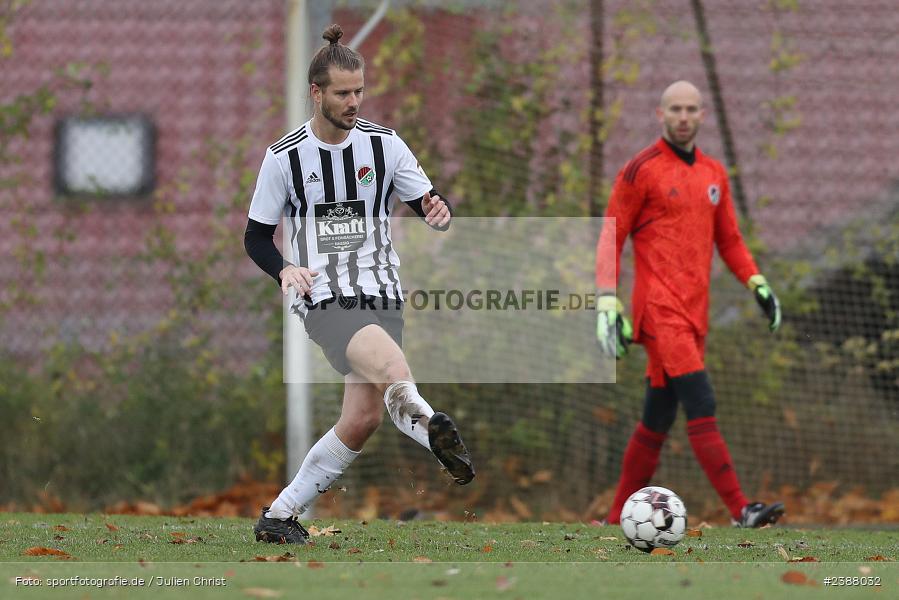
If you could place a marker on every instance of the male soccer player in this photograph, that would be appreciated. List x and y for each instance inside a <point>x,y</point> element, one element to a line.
<point>336,178</point>
<point>674,202</point>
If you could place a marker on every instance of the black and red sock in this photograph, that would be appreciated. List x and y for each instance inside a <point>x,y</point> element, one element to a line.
<point>712,453</point>
<point>641,457</point>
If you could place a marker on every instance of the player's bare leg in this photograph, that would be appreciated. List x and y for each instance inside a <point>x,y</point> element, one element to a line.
<point>325,462</point>
<point>374,355</point>
<point>362,412</point>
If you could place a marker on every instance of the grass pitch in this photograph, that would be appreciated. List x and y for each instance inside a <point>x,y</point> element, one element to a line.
<point>77,556</point>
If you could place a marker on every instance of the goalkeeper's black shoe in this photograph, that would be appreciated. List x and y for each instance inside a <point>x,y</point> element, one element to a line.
<point>279,531</point>
<point>448,447</point>
<point>758,514</point>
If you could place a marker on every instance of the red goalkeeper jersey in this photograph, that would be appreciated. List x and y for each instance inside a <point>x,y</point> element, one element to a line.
<point>674,213</point>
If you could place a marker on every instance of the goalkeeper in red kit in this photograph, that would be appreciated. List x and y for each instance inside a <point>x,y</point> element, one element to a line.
<point>674,202</point>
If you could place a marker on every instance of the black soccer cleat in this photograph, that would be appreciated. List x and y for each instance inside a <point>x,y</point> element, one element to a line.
<point>448,447</point>
<point>279,531</point>
<point>758,514</point>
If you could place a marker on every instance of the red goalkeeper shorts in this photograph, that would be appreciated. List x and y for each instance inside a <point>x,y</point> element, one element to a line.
<point>673,350</point>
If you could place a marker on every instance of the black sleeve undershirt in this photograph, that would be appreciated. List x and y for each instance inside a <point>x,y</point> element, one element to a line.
<point>259,242</point>
<point>415,205</point>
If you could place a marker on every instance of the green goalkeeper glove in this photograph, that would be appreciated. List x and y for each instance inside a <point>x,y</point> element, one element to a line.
<point>765,297</point>
<point>613,330</point>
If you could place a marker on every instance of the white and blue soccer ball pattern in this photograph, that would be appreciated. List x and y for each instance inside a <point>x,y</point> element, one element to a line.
<point>654,517</point>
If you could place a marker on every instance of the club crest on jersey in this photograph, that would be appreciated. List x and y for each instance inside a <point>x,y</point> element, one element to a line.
<point>365,176</point>
<point>714,194</point>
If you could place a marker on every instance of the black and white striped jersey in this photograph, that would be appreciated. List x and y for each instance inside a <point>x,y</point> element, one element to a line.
<point>337,201</point>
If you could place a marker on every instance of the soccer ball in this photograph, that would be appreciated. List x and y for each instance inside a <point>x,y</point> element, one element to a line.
<point>654,517</point>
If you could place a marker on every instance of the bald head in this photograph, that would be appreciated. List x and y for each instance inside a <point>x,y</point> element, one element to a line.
<point>680,112</point>
<point>682,92</point>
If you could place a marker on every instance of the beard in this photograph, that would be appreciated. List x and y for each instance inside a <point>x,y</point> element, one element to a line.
<point>338,121</point>
<point>681,139</point>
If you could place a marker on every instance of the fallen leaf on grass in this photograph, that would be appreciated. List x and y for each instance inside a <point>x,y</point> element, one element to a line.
<point>690,550</point>
<point>439,582</point>
<point>794,578</point>
<point>262,593</point>
<point>354,551</point>
<point>487,548</point>
<point>327,531</point>
<point>745,544</point>
<point>315,564</point>
<point>804,559</point>
<point>694,533</point>
<point>782,552</point>
<point>663,552</point>
<point>334,546</point>
<point>391,542</point>
<point>58,537</point>
<point>422,559</point>
<point>286,557</point>
<point>600,553</point>
<point>44,551</point>
<point>570,536</point>
<point>60,528</point>
<point>181,540</point>
<point>879,558</point>
<point>111,527</point>
<point>609,538</point>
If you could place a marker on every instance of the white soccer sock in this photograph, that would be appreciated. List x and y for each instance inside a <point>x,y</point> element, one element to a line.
<point>406,406</point>
<point>323,465</point>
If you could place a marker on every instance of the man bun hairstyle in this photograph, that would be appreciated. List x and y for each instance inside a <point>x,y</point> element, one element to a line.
<point>333,53</point>
<point>333,33</point>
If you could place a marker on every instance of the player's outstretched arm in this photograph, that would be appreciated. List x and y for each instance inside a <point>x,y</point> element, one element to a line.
<point>766,299</point>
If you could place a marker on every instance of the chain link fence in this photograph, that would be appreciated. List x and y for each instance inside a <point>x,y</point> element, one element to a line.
<point>139,340</point>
